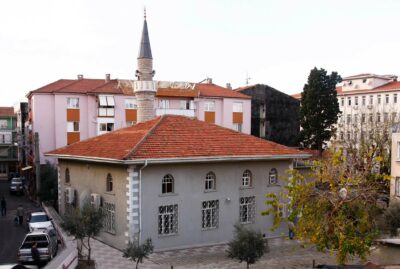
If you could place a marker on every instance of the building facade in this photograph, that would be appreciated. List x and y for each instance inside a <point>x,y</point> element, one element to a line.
<point>274,115</point>
<point>395,165</point>
<point>8,150</point>
<point>164,179</point>
<point>368,103</point>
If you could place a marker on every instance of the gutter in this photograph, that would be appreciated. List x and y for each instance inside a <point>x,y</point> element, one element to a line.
<point>183,160</point>
<point>140,199</point>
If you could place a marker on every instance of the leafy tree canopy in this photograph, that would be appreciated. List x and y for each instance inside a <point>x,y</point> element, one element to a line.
<point>319,108</point>
<point>336,205</point>
<point>248,246</point>
<point>84,223</point>
<point>137,252</point>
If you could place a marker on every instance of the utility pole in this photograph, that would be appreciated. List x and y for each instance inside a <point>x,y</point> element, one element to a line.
<point>37,165</point>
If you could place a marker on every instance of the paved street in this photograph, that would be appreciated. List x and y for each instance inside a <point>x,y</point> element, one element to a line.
<point>11,236</point>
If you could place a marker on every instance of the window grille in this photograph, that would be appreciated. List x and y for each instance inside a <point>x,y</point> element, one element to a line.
<point>168,219</point>
<point>247,209</point>
<point>67,177</point>
<point>210,214</point>
<point>109,217</point>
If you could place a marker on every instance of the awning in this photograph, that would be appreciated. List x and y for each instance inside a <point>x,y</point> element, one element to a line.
<point>26,168</point>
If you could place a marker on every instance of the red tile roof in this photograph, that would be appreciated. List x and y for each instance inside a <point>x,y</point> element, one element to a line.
<point>391,86</point>
<point>6,111</point>
<point>172,137</point>
<point>212,90</point>
<point>100,86</point>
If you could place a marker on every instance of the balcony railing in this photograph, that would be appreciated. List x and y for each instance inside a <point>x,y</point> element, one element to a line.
<point>175,111</point>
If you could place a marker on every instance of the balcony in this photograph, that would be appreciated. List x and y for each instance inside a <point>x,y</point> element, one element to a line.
<point>175,111</point>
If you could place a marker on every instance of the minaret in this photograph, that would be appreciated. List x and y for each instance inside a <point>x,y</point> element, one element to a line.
<point>145,88</point>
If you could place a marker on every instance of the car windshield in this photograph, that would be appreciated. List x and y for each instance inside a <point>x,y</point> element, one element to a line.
<point>39,218</point>
<point>16,184</point>
<point>16,180</point>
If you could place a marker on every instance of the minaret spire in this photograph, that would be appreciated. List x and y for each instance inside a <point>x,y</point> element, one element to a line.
<point>145,88</point>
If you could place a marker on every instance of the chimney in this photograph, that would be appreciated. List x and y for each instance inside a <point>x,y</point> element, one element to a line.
<point>80,77</point>
<point>209,80</point>
<point>108,78</point>
<point>228,86</point>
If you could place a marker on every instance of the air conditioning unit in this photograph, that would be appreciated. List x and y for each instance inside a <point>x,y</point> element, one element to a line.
<point>355,107</point>
<point>95,200</point>
<point>369,106</point>
<point>70,195</point>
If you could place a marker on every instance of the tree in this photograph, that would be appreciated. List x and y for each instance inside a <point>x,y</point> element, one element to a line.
<point>137,253</point>
<point>247,245</point>
<point>338,211</point>
<point>392,218</point>
<point>84,223</point>
<point>319,108</point>
<point>49,186</point>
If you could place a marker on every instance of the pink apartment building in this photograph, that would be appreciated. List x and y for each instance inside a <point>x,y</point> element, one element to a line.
<point>67,111</point>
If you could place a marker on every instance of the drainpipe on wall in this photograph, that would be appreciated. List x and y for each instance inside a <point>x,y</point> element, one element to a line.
<point>140,200</point>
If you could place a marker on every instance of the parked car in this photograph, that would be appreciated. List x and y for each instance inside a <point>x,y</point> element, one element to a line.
<point>16,186</point>
<point>39,221</point>
<point>46,245</point>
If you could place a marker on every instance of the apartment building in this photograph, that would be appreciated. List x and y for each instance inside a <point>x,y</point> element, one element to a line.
<point>67,111</point>
<point>367,102</point>
<point>8,150</point>
<point>395,165</point>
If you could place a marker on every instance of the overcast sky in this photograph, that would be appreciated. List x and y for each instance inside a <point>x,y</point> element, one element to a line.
<point>274,42</point>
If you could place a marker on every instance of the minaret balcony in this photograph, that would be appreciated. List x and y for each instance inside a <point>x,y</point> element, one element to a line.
<point>144,86</point>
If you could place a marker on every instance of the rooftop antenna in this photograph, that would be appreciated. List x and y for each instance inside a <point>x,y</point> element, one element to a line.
<point>247,78</point>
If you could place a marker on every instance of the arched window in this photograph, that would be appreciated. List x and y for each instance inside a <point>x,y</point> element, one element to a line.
<point>168,184</point>
<point>247,179</point>
<point>273,176</point>
<point>67,177</point>
<point>109,183</point>
<point>210,181</point>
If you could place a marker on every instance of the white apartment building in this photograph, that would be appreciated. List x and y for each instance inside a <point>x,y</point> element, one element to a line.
<point>367,102</point>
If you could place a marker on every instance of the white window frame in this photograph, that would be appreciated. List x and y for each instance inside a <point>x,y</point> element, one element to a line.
<point>3,124</point>
<point>72,102</point>
<point>168,219</point>
<point>397,186</point>
<point>164,104</point>
<point>364,98</point>
<point>168,180</point>
<point>395,98</point>
<point>349,101</point>
<point>356,100</point>
<point>130,103</point>
<point>247,206</point>
<point>247,178</point>
<point>273,177</point>
<point>209,106</point>
<point>238,127</point>
<point>109,183</point>
<point>73,126</point>
<point>210,182</point>
<point>237,107</point>
<point>387,98</point>
<point>109,217</point>
<point>398,150</point>
<point>102,124</point>
<point>209,214</point>
<point>106,107</point>
<point>379,99</point>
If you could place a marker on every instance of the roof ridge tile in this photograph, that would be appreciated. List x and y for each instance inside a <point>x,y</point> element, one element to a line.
<point>150,132</point>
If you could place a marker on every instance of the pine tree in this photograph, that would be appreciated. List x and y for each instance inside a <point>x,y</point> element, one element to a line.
<point>319,108</point>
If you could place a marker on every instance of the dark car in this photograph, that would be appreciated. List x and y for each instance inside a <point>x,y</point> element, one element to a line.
<point>16,186</point>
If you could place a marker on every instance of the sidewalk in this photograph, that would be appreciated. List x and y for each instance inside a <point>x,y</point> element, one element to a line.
<point>283,254</point>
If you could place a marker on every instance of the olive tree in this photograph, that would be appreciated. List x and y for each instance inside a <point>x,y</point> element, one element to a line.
<point>247,245</point>
<point>137,253</point>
